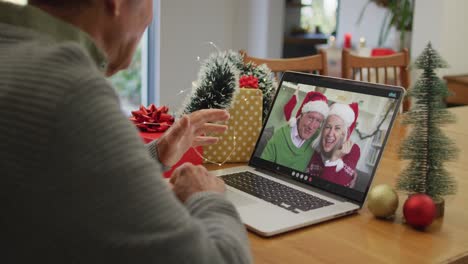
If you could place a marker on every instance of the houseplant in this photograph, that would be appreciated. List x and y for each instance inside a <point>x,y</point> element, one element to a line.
<point>399,14</point>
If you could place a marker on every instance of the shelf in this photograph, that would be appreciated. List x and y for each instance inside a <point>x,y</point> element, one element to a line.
<point>296,5</point>
<point>306,38</point>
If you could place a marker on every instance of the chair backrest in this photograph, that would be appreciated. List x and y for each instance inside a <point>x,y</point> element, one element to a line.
<point>392,69</point>
<point>311,64</point>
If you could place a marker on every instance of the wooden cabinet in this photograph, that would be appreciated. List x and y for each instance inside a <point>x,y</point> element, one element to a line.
<point>458,86</point>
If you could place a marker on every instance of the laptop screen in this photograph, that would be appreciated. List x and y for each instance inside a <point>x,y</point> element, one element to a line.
<point>327,132</point>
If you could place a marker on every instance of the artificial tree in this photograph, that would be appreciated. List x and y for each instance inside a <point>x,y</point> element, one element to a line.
<point>427,147</point>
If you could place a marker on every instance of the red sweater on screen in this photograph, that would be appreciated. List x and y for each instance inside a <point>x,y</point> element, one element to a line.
<point>344,176</point>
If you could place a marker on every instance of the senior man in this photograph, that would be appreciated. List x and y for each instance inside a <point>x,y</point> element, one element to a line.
<point>78,184</point>
<point>290,145</point>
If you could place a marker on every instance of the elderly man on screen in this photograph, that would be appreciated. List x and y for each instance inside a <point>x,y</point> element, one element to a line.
<point>78,184</point>
<point>336,157</point>
<point>290,145</point>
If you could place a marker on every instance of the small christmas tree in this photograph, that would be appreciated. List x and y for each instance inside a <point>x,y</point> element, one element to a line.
<point>218,80</point>
<point>427,147</point>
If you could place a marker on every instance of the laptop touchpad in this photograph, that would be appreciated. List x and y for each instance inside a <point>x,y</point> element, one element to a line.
<point>239,199</point>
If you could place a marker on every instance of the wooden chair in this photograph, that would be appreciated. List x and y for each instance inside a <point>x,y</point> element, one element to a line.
<point>311,64</point>
<point>392,69</point>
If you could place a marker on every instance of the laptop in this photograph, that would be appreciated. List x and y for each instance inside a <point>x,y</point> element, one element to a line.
<point>275,193</point>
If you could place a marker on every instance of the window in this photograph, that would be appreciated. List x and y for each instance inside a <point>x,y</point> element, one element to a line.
<point>139,84</point>
<point>319,16</point>
<point>19,2</point>
<point>308,23</point>
<point>129,83</point>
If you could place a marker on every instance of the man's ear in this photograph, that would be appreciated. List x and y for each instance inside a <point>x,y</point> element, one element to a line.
<point>114,7</point>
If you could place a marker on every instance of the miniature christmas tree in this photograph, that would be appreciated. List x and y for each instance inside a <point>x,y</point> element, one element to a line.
<point>219,79</point>
<point>427,147</point>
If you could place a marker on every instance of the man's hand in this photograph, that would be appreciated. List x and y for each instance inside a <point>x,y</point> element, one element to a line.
<point>344,150</point>
<point>188,131</point>
<point>189,179</point>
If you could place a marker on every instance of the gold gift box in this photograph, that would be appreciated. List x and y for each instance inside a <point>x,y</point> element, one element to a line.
<point>237,144</point>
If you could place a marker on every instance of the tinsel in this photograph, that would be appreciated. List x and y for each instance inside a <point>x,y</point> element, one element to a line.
<point>214,73</point>
<point>218,80</point>
<point>427,147</point>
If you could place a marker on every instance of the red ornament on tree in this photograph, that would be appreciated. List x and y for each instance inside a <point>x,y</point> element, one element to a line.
<point>419,210</point>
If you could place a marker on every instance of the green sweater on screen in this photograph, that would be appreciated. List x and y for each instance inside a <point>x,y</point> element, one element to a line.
<point>281,150</point>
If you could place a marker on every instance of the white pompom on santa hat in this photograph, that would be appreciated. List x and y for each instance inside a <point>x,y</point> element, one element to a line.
<point>349,114</point>
<point>313,102</point>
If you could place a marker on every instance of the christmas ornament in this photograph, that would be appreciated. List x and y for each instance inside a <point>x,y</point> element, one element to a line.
<point>427,147</point>
<point>382,201</point>
<point>152,119</point>
<point>419,210</point>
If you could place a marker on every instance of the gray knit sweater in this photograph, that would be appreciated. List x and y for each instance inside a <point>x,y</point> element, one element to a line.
<point>78,185</point>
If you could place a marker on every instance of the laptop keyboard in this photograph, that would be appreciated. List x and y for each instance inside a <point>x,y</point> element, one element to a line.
<point>274,192</point>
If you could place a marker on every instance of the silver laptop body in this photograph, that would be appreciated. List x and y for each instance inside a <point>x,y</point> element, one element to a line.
<point>378,107</point>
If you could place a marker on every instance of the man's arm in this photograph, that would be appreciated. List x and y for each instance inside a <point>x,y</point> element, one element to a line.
<point>153,151</point>
<point>118,208</point>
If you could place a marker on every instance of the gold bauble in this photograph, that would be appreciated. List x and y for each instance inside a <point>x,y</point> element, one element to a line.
<point>382,201</point>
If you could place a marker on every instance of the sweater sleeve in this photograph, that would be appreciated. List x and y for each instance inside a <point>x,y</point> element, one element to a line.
<point>114,206</point>
<point>153,151</point>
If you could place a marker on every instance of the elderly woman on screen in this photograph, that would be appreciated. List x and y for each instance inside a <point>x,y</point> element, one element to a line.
<point>335,157</point>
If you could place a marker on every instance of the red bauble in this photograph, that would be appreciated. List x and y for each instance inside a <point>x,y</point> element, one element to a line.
<point>419,210</point>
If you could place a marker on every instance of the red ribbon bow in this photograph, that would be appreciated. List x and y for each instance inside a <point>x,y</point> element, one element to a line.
<point>248,81</point>
<point>152,119</point>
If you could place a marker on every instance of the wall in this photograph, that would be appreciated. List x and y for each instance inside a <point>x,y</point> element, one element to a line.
<point>187,26</point>
<point>370,26</point>
<point>444,24</point>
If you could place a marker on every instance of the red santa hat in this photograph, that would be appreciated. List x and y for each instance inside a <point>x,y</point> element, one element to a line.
<point>349,114</point>
<point>313,102</point>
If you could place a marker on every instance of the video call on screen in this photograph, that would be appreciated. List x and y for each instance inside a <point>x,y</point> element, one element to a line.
<point>320,147</point>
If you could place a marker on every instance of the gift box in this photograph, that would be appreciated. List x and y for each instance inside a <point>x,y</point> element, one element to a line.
<point>237,144</point>
<point>189,156</point>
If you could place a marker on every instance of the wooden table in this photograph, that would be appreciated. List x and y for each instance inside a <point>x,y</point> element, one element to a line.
<point>361,238</point>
